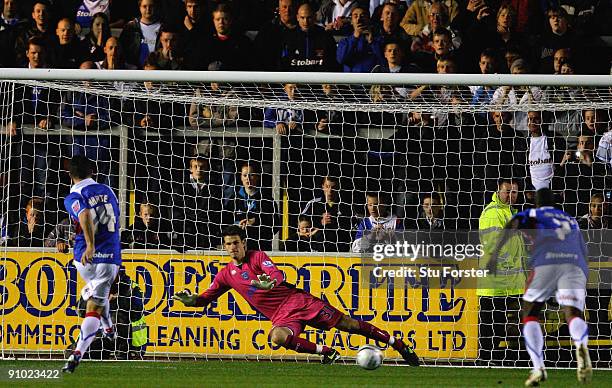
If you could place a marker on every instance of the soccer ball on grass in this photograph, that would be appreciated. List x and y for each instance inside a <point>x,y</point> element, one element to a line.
<point>369,357</point>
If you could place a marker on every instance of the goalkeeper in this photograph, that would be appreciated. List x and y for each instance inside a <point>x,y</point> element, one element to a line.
<point>254,276</point>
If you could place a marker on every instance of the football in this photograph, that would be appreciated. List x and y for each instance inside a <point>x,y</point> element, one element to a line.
<point>369,357</point>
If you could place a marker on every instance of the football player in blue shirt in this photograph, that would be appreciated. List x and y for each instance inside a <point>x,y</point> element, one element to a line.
<point>94,209</point>
<point>558,267</point>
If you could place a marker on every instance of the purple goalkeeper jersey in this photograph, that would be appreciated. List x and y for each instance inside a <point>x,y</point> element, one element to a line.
<point>239,277</point>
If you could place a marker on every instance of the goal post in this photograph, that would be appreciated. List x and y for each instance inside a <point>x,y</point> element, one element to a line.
<point>326,156</point>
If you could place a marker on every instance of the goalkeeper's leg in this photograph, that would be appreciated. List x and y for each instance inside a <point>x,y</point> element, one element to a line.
<point>368,330</point>
<point>289,337</point>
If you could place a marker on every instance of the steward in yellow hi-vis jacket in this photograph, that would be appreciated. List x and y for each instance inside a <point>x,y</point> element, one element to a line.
<point>499,295</point>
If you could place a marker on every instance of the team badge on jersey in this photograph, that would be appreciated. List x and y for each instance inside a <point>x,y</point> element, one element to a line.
<point>233,272</point>
<point>76,206</point>
<point>267,263</point>
<point>245,275</point>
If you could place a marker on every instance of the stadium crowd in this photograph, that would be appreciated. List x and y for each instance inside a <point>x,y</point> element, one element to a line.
<point>435,171</point>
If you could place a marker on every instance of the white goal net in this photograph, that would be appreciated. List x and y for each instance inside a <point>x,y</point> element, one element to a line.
<point>307,169</point>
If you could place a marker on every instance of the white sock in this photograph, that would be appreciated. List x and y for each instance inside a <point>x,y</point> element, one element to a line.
<point>579,331</point>
<point>534,340</point>
<point>105,318</point>
<point>89,328</point>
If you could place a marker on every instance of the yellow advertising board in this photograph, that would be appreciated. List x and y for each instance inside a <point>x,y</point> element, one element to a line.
<point>40,292</point>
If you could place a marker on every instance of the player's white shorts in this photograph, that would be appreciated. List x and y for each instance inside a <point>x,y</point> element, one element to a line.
<point>566,281</point>
<point>99,278</point>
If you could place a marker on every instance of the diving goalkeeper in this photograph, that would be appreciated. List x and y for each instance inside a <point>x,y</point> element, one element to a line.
<point>254,276</point>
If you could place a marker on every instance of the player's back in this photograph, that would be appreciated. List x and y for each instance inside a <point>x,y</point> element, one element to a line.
<point>102,203</point>
<point>556,237</point>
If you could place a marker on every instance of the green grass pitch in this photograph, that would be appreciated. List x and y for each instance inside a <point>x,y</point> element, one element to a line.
<point>286,374</point>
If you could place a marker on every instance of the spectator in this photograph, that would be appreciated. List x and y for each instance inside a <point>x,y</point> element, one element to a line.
<point>196,25</point>
<point>482,95</point>
<point>499,151</point>
<point>194,20</point>
<point>442,47</point>
<point>285,120</point>
<point>62,236</point>
<point>96,38</point>
<point>513,96</point>
<point>579,175</point>
<point>437,18</point>
<point>361,51</point>
<point>268,43</point>
<point>416,16</point>
<point>432,213</point>
<point>389,28</point>
<point>10,23</point>
<point>379,227</point>
<point>559,35</point>
<point>87,10</point>
<point>511,54</point>
<point>332,216</point>
<point>341,123</point>
<point>542,152</point>
<point>113,56</point>
<point>168,56</point>
<point>395,62</point>
<point>70,52</point>
<point>148,231</point>
<point>41,28</point>
<point>499,295</point>
<point>604,149</point>
<point>376,7</point>
<point>10,15</point>
<point>31,231</point>
<point>309,47</point>
<point>495,30</point>
<point>253,209</point>
<point>214,116</point>
<point>226,45</point>
<point>305,238</point>
<point>561,56</point>
<point>140,37</point>
<point>598,216</point>
<point>335,15</point>
<point>196,208</point>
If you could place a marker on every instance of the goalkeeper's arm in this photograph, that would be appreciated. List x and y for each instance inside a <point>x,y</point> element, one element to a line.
<point>216,289</point>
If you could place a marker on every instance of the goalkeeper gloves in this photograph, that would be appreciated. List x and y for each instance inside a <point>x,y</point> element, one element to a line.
<point>264,282</point>
<point>186,297</point>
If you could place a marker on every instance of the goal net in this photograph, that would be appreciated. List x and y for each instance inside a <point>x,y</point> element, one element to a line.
<point>311,171</point>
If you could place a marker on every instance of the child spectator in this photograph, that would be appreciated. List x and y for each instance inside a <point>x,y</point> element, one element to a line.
<point>149,231</point>
<point>285,120</point>
<point>379,226</point>
<point>305,238</point>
